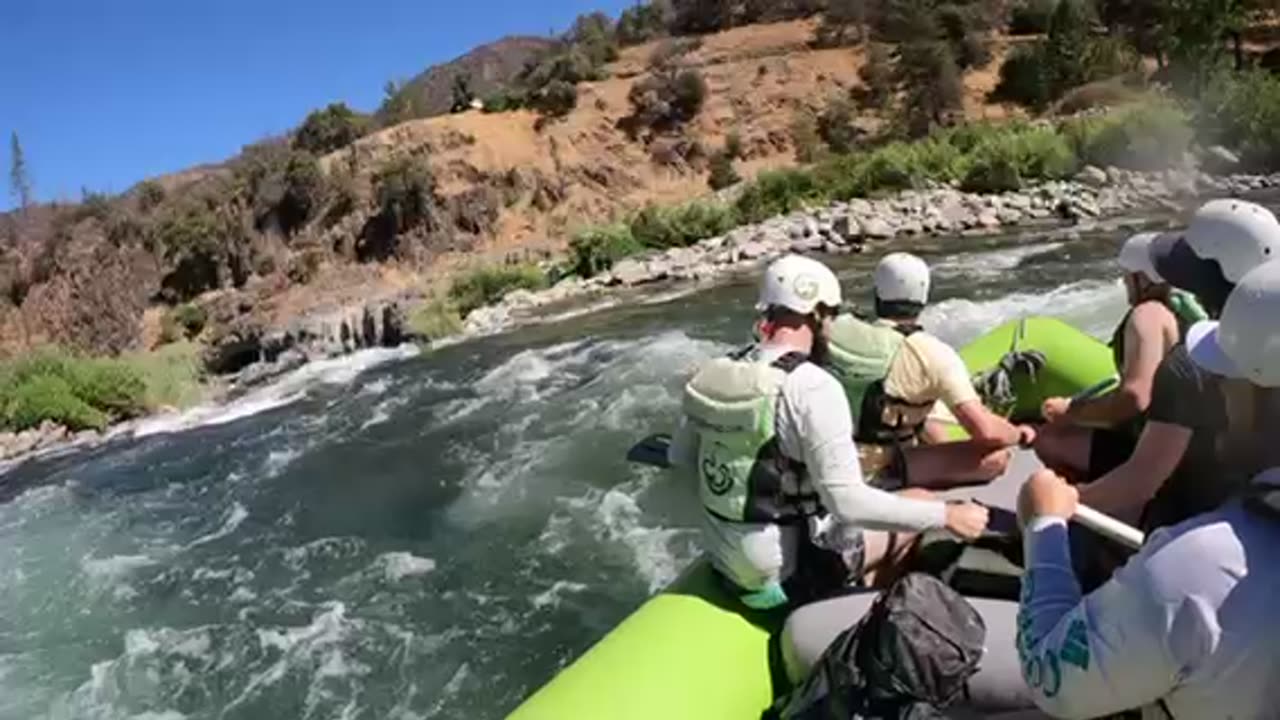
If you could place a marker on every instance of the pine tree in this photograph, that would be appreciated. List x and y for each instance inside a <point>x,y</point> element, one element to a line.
<point>19,178</point>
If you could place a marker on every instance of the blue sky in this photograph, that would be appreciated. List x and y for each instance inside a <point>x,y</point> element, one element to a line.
<point>104,93</point>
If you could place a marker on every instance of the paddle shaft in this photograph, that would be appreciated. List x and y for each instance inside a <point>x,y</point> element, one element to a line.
<point>1109,527</point>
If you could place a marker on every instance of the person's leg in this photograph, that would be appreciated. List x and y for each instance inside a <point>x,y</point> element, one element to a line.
<point>953,464</point>
<point>1065,448</point>
<point>885,554</point>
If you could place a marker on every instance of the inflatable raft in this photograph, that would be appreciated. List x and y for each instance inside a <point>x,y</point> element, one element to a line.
<point>693,652</point>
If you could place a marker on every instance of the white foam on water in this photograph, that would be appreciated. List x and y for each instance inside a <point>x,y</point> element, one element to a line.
<point>988,264</point>
<point>382,412</point>
<point>278,460</point>
<point>114,568</point>
<point>1090,305</point>
<point>234,516</point>
<point>397,566</point>
<point>553,595</point>
<point>375,388</point>
<point>159,715</point>
<point>288,389</point>
<point>621,520</point>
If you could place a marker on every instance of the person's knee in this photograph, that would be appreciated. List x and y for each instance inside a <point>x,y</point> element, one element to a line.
<point>1048,447</point>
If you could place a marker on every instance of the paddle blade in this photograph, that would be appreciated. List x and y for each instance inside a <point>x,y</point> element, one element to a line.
<point>651,451</point>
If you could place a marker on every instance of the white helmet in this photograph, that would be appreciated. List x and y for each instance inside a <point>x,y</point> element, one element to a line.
<point>902,277</point>
<point>1246,343</point>
<point>1240,235</point>
<point>798,284</point>
<point>1135,256</point>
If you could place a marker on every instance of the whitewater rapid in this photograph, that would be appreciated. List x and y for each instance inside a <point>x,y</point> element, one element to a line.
<point>406,535</point>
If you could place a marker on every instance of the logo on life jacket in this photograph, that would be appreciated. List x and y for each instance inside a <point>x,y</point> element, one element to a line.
<point>715,472</point>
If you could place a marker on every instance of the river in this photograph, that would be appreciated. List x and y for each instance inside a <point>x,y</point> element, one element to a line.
<point>403,535</point>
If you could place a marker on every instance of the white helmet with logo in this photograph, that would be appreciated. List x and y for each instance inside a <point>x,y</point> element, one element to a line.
<point>799,284</point>
<point>1239,235</point>
<point>1246,343</point>
<point>902,277</point>
<point>1135,256</point>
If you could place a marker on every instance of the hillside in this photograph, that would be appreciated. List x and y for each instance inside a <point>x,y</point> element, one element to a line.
<point>502,185</point>
<point>491,68</point>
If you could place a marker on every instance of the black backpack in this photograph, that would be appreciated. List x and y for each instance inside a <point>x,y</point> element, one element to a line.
<point>908,658</point>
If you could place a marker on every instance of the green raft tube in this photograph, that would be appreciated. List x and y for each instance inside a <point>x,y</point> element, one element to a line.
<point>693,652</point>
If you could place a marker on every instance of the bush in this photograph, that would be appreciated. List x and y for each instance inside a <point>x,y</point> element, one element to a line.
<point>723,174</point>
<point>641,23</point>
<point>1242,111</point>
<point>877,77</point>
<point>668,99</point>
<point>556,100</point>
<point>503,102</point>
<point>804,137</point>
<point>183,322</point>
<point>1146,137</point>
<point>150,195</point>
<point>489,285</point>
<point>435,319</point>
<point>1100,94</point>
<point>174,375</point>
<point>777,192</point>
<point>1031,17</point>
<point>682,225</point>
<point>404,191</point>
<point>1000,160</point>
<point>835,125</point>
<point>668,52</point>
<point>1108,57</point>
<point>1023,78</point>
<point>77,392</point>
<point>994,174</point>
<point>304,188</point>
<point>595,250</point>
<point>332,128</point>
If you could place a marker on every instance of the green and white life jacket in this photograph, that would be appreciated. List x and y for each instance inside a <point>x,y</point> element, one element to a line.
<point>743,476</point>
<point>861,354</point>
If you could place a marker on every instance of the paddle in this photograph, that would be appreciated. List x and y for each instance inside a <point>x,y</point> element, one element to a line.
<point>651,451</point>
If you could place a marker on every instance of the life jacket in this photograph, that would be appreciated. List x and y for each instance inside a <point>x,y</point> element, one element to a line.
<point>1185,308</point>
<point>861,354</point>
<point>743,476</point>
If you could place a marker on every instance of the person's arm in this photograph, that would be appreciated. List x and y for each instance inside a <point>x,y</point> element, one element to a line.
<point>1132,484</point>
<point>1088,657</point>
<point>822,428</point>
<point>1144,349</point>
<point>987,427</point>
<point>954,387</point>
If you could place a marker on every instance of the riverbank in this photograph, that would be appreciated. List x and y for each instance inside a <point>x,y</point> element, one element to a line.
<point>855,226</point>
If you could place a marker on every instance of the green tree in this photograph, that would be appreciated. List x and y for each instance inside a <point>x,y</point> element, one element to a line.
<point>1195,34</point>
<point>332,128</point>
<point>643,22</point>
<point>931,84</point>
<point>19,176</point>
<point>877,77</point>
<point>462,95</point>
<point>397,106</point>
<point>1067,47</point>
<point>594,33</point>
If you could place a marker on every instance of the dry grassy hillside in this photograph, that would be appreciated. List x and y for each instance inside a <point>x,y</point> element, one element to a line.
<point>759,78</point>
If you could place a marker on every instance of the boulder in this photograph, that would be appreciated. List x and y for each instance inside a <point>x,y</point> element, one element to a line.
<point>877,228</point>
<point>1092,176</point>
<point>988,219</point>
<point>807,244</point>
<point>754,249</point>
<point>911,227</point>
<point>846,226</point>
<point>632,272</point>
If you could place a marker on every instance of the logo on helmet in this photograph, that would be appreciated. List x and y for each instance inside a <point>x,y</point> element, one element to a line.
<point>805,287</point>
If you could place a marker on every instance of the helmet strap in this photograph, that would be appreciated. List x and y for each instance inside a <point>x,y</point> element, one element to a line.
<point>898,309</point>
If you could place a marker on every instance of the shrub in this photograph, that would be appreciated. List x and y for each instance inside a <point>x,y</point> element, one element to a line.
<point>841,25</point>
<point>150,195</point>
<point>1023,78</point>
<point>594,34</point>
<point>1242,111</point>
<point>877,77</point>
<point>733,145</point>
<point>1103,93</point>
<point>994,174</point>
<point>1146,137</point>
<point>804,137</point>
<point>835,125</point>
<point>667,52</point>
<point>668,99</point>
<point>1107,57</point>
<point>723,174</point>
<point>183,322</point>
<point>1030,17</point>
<point>435,319</point>
<point>404,191</point>
<point>775,193</point>
<point>332,128</point>
<point>488,285</point>
<point>303,191</point>
<point>641,23</point>
<point>503,102</point>
<point>595,250</point>
<point>556,99</point>
<point>174,375</point>
<point>682,225</point>
<point>79,393</point>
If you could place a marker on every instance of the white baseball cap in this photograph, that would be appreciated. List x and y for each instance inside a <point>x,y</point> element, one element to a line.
<point>1135,256</point>
<point>1246,342</point>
